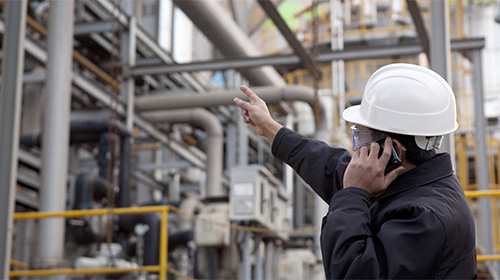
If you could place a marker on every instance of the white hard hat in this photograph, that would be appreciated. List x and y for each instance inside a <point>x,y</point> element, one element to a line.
<point>406,99</point>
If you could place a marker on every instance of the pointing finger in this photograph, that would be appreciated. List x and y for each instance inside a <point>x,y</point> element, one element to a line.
<point>251,95</point>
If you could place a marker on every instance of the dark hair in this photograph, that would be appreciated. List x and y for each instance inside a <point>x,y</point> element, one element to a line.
<point>414,154</point>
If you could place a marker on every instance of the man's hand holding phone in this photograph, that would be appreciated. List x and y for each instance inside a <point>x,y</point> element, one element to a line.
<point>367,170</point>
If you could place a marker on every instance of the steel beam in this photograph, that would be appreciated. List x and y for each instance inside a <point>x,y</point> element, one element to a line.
<point>10,115</point>
<point>419,25</point>
<point>96,27</point>
<point>272,12</point>
<point>294,60</point>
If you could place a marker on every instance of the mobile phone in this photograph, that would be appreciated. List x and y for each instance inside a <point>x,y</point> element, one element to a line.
<point>395,160</point>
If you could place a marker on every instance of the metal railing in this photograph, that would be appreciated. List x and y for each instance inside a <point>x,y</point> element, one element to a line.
<point>161,268</point>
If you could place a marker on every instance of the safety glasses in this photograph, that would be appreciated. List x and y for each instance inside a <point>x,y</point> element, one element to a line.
<point>363,137</point>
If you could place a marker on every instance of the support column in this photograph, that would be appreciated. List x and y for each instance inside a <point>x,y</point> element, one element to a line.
<point>10,114</point>
<point>50,241</point>
<point>441,56</point>
<point>483,176</point>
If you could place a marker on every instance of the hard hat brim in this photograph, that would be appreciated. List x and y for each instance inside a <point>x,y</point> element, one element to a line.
<point>351,114</point>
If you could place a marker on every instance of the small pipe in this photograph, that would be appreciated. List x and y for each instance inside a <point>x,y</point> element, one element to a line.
<point>123,196</point>
<point>127,225</point>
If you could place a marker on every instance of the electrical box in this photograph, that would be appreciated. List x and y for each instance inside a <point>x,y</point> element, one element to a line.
<point>257,197</point>
<point>213,234</point>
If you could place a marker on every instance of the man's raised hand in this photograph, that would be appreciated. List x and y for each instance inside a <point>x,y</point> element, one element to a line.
<point>256,114</point>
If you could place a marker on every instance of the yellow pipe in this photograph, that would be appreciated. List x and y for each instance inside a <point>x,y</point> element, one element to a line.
<point>80,213</point>
<point>163,245</point>
<point>151,146</point>
<point>67,271</point>
<point>96,70</point>
<point>18,264</point>
<point>473,194</point>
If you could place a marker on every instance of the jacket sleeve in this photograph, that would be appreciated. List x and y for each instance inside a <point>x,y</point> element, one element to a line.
<point>408,245</point>
<point>321,166</point>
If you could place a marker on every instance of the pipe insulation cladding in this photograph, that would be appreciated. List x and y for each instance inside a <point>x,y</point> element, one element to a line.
<point>216,24</point>
<point>270,94</point>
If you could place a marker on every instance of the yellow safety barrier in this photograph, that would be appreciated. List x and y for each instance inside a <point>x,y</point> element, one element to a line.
<point>161,268</point>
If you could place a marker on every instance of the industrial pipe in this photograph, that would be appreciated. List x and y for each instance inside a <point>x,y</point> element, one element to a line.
<point>123,196</point>
<point>127,225</point>
<point>216,24</point>
<point>210,124</point>
<point>88,131</point>
<point>89,188</point>
<point>270,94</point>
<point>50,241</point>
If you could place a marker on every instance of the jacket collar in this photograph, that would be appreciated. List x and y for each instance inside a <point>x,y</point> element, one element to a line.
<point>437,168</point>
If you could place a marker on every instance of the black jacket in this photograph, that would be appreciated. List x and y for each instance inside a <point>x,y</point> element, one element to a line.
<point>420,227</point>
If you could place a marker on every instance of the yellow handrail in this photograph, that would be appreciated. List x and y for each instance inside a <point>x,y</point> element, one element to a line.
<point>483,193</point>
<point>161,268</point>
<point>68,271</point>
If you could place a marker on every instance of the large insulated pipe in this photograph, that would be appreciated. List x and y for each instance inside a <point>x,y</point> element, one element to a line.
<point>211,125</point>
<point>50,241</point>
<point>271,95</point>
<point>211,18</point>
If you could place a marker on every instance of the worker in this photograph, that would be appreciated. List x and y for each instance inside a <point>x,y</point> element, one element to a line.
<point>396,209</point>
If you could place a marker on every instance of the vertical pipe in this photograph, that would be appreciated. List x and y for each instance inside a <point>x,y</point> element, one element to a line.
<point>246,257</point>
<point>56,132</point>
<point>242,142</point>
<point>482,151</point>
<point>10,115</point>
<point>258,260</point>
<point>123,196</point>
<point>128,49</point>
<point>267,260</point>
<point>230,146</point>
<point>441,56</point>
<point>288,174</point>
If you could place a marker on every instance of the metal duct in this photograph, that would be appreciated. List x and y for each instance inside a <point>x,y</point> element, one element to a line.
<point>227,36</point>
<point>210,124</point>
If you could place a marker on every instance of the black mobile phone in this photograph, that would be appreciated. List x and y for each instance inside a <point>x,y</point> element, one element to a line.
<point>395,160</point>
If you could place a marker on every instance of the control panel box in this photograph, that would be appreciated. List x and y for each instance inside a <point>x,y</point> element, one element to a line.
<point>257,197</point>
